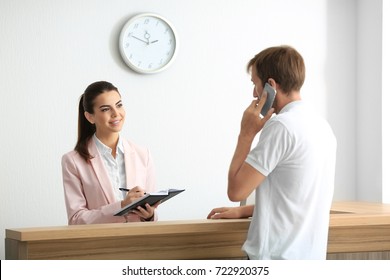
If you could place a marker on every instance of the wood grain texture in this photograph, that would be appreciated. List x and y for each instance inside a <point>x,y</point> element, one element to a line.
<point>205,239</point>
<point>357,230</point>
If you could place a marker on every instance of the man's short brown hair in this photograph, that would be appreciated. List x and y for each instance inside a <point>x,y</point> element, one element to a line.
<point>283,64</point>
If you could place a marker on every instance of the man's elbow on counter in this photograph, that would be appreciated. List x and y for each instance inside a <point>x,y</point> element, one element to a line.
<point>235,196</point>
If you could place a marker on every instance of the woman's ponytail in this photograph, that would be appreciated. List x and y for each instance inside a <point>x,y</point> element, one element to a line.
<point>85,129</point>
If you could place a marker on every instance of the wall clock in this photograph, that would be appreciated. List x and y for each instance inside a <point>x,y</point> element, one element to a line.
<point>148,43</point>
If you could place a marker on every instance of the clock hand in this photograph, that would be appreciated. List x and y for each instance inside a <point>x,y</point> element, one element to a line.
<point>140,40</point>
<point>154,41</point>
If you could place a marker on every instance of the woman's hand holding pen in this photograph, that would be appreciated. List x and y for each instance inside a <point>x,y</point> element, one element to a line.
<point>134,194</point>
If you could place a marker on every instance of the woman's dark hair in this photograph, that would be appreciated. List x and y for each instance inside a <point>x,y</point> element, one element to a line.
<point>85,128</point>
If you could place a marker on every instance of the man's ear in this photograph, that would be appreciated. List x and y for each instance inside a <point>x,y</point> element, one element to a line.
<point>89,117</point>
<point>272,83</point>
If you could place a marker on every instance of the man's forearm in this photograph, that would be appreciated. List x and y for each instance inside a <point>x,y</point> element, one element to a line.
<point>242,150</point>
<point>246,211</point>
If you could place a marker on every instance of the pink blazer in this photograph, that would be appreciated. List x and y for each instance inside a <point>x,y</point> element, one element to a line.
<point>89,195</point>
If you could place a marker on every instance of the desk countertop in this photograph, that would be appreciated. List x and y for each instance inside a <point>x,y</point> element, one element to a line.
<point>359,207</point>
<point>354,227</point>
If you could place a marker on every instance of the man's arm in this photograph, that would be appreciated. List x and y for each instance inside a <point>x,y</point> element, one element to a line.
<point>243,178</point>
<point>231,212</point>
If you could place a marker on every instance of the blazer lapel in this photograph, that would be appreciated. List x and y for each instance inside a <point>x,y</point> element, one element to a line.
<point>129,164</point>
<point>101,172</point>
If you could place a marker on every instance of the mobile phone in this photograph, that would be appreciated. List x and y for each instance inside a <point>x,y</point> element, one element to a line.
<point>271,92</point>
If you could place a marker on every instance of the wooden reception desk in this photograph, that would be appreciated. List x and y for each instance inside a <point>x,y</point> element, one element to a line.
<point>357,231</point>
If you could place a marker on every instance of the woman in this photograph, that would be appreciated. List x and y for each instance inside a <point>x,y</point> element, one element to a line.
<point>103,162</point>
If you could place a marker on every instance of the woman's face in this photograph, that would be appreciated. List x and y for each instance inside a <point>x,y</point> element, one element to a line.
<point>108,113</point>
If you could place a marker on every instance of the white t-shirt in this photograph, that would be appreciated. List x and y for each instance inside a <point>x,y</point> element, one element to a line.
<point>297,153</point>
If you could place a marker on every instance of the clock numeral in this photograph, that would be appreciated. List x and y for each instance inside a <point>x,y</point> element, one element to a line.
<point>127,45</point>
<point>161,61</point>
<point>168,53</point>
<point>135,26</point>
<point>139,63</point>
<point>146,21</point>
<point>157,23</point>
<point>129,35</point>
<point>150,65</point>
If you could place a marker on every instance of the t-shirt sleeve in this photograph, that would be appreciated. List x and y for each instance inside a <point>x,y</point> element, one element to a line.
<point>272,148</point>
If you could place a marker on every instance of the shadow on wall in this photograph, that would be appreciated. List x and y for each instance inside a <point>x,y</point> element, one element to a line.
<point>340,82</point>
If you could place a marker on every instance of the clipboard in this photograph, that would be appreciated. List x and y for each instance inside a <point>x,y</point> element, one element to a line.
<point>151,199</point>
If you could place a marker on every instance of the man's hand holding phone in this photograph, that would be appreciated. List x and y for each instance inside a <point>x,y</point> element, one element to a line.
<point>252,122</point>
<point>270,94</point>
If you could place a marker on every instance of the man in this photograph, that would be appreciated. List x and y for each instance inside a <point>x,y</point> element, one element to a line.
<point>292,167</point>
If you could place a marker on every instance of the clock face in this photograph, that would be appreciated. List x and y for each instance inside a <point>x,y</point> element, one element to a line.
<point>148,43</point>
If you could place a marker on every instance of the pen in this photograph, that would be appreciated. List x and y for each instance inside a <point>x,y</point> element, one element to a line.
<point>126,190</point>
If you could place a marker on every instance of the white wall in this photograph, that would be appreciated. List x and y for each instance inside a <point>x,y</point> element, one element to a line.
<point>386,101</point>
<point>368,101</point>
<point>188,115</point>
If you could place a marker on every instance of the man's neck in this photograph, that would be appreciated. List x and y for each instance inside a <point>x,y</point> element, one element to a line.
<point>283,99</point>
